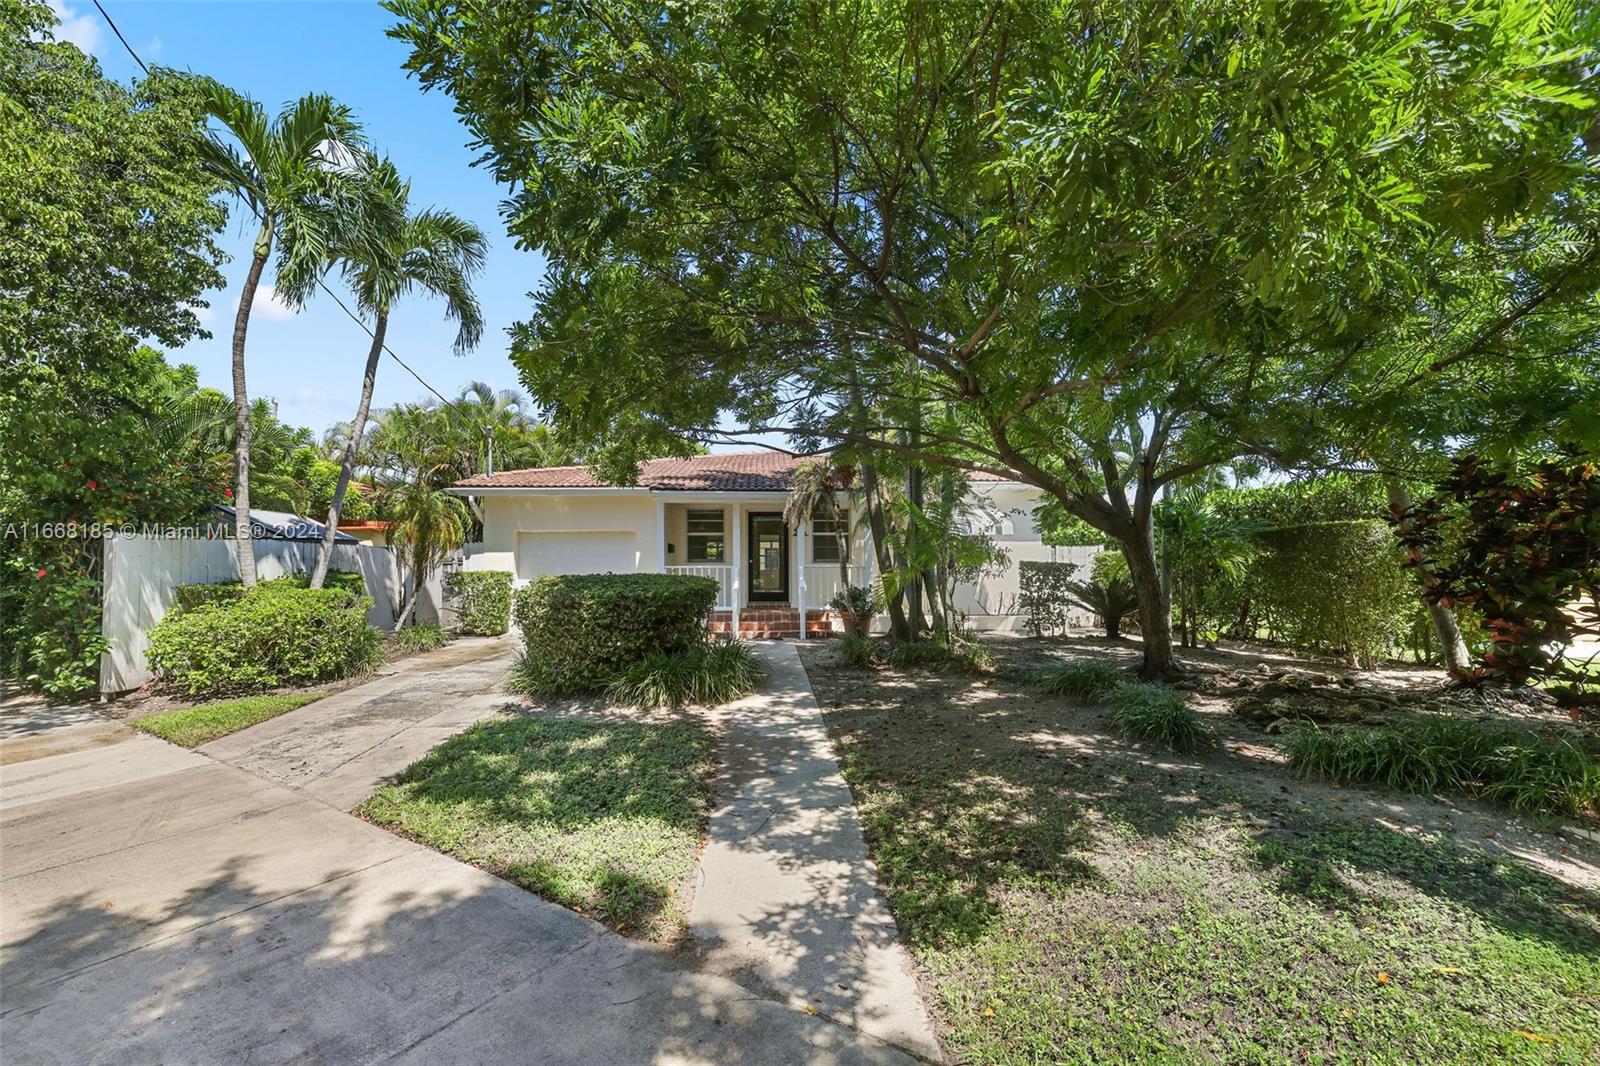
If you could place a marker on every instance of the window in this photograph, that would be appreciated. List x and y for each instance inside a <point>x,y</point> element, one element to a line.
<point>826,533</point>
<point>705,536</point>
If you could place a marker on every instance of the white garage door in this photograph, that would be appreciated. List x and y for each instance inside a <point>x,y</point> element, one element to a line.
<point>539,554</point>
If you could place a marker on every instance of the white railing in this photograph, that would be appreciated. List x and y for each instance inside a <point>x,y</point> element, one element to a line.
<point>722,575</point>
<point>823,582</point>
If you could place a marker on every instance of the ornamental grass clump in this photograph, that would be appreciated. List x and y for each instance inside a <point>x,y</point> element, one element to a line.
<point>1089,680</point>
<point>1142,710</point>
<point>705,674</point>
<point>1557,772</point>
<point>854,651</point>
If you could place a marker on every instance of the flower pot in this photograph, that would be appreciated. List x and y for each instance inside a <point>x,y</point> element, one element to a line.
<point>856,625</point>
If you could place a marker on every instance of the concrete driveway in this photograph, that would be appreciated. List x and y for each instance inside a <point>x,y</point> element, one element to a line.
<point>161,905</point>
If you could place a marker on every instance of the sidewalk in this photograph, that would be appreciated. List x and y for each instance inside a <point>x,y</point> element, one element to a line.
<point>787,900</point>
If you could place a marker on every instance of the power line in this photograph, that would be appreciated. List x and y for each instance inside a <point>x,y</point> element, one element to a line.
<point>320,283</point>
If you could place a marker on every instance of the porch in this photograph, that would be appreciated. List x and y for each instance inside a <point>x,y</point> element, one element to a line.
<point>770,575</point>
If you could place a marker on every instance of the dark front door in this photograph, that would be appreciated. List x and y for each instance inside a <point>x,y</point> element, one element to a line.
<point>769,558</point>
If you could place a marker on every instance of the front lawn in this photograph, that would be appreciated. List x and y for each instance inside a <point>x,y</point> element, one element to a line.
<point>1072,896</point>
<point>193,726</point>
<point>601,814</point>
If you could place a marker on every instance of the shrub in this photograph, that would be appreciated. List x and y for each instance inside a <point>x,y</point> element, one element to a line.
<point>1555,773</point>
<point>189,597</point>
<point>706,673</point>
<point>961,650</point>
<point>855,599</point>
<point>1042,595</point>
<point>414,639</point>
<point>1142,710</point>
<point>483,601</point>
<point>854,651</point>
<point>1085,679</point>
<point>582,630</point>
<point>276,634</point>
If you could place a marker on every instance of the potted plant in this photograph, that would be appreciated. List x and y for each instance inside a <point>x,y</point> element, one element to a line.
<point>856,605</point>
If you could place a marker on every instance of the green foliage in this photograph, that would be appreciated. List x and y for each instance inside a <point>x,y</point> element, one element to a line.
<point>414,639</point>
<point>605,817</point>
<point>483,601</point>
<point>859,600</point>
<point>187,597</point>
<point>278,633</point>
<point>706,674</point>
<point>107,238</point>
<point>1109,567</point>
<point>194,726</point>
<point>1090,680</point>
<point>1526,548</point>
<point>1113,600</point>
<point>581,631</point>
<point>1042,595</point>
<point>1552,772</point>
<point>945,648</point>
<point>1145,711</point>
<point>855,650</point>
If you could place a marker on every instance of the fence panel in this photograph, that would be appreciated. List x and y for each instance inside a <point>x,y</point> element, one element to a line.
<point>141,574</point>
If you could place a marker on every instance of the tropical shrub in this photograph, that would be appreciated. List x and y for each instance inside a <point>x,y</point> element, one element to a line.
<point>582,630</point>
<point>854,650</point>
<point>1083,679</point>
<point>414,639</point>
<point>1141,710</point>
<point>1534,773</point>
<point>276,634</point>
<point>707,673</point>
<point>483,601</point>
<point>1108,593</point>
<point>188,597</point>
<point>1043,595</point>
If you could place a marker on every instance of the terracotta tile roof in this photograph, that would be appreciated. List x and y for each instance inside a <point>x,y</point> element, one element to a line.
<point>762,471</point>
<point>737,472</point>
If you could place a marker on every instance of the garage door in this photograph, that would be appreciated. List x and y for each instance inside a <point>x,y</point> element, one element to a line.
<point>576,553</point>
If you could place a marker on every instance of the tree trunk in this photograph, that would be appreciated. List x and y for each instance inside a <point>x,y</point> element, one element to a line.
<point>244,543</point>
<point>1452,647</point>
<point>348,465</point>
<point>1155,625</point>
<point>899,627</point>
<point>914,587</point>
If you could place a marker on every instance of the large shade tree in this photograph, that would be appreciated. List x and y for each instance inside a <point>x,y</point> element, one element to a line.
<point>1096,247</point>
<point>299,174</point>
<point>394,254</point>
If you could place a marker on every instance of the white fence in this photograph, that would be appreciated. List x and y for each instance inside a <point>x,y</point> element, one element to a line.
<point>141,574</point>
<point>992,601</point>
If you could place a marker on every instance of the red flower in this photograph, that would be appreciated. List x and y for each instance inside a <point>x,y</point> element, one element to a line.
<point>91,484</point>
<point>40,573</point>
<point>228,493</point>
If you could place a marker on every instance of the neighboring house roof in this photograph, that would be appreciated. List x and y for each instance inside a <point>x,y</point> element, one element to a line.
<point>369,525</point>
<point>281,525</point>
<point>763,471</point>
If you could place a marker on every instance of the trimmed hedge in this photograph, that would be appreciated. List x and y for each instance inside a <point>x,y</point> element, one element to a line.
<point>1044,595</point>
<point>583,630</point>
<point>276,634</point>
<point>192,596</point>
<point>483,601</point>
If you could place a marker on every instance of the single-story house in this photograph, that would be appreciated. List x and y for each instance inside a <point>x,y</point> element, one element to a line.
<point>371,531</point>
<point>721,516</point>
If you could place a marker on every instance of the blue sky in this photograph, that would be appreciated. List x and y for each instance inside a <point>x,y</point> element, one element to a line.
<point>311,362</point>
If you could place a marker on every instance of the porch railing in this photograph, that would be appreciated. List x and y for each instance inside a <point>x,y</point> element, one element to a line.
<point>723,575</point>
<point>823,582</point>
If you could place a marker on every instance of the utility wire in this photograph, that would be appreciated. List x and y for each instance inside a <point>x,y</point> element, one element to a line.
<point>320,283</point>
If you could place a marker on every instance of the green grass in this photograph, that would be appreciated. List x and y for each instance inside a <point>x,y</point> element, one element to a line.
<point>193,726</point>
<point>1091,680</point>
<point>1141,710</point>
<point>604,817</point>
<point>1070,900</point>
<point>1557,772</point>
<point>855,651</point>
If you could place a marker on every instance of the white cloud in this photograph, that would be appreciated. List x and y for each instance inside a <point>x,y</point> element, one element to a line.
<point>153,47</point>
<point>269,305</point>
<point>206,315</point>
<point>83,30</point>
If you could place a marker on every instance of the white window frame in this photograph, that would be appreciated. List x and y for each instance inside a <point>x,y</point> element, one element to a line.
<point>829,535</point>
<point>703,537</point>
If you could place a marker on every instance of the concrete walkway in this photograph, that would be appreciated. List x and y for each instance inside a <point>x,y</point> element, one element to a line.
<point>787,902</point>
<point>158,905</point>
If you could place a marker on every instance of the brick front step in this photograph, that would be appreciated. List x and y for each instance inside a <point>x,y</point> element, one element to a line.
<point>768,623</point>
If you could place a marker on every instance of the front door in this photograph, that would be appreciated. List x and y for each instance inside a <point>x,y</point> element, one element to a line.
<point>769,558</point>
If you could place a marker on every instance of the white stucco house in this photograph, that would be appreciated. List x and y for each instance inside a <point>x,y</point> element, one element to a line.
<point>721,516</point>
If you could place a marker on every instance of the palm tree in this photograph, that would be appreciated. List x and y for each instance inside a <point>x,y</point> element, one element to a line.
<point>425,526</point>
<point>293,173</point>
<point>814,493</point>
<point>399,253</point>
